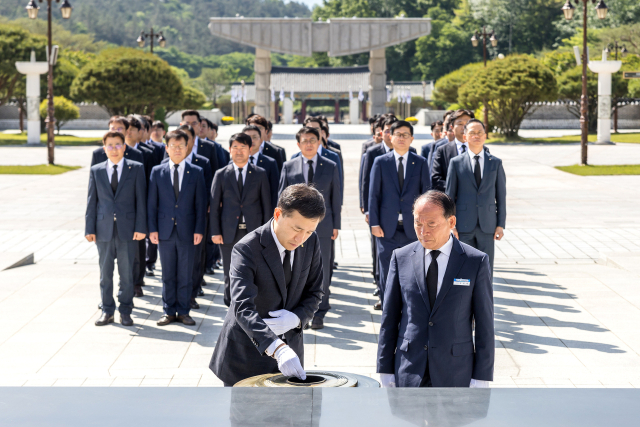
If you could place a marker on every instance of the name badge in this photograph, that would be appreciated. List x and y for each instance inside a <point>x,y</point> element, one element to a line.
<point>461,282</point>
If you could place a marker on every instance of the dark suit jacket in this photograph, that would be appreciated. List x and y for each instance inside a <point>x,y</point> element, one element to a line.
<point>188,212</point>
<point>486,205</point>
<point>149,158</point>
<point>202,162</point>
<point>333,156</point>
<point>326,180</point>
<point>100,156</point>
<point>258,287</point>
<point>227,205</point>
<point>441,159</point>
<point>273,173</point>
<point>276,153</point>
<point>370,156</point>
<point>367,144</point>
<point>387,200</point>
<point>158,151</point>
<point>128,206</point>
<point>411,333</point>
<point>223,155</point>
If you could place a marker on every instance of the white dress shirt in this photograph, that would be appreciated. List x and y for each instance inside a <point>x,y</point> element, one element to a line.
<point>443,261</point>
<point>236,169</point>
<point>281,249</point>
<point>386,148</point>
<point>195,146</point>
<point>320,147</point>
<point>261,147</point>
<point>472,156</point>
<point>460,144</point>
<point>181,167</point>
<point>110,166</point>
<point>405,157</point>
<point>189,158</point>
<point>305,166</point>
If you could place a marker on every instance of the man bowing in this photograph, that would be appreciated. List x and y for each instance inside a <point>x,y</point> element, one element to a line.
<point>435,289</point>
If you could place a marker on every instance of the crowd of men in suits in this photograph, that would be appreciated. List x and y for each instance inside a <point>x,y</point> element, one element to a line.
<point>184,197</point>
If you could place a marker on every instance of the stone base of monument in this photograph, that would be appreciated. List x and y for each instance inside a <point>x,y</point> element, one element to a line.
<point>314,379</point>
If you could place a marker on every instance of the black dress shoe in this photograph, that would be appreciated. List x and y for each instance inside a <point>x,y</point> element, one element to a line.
<point>203,282</point>
<point>335,264</point>
<point>194,304</point>
<point>200,292</point>
<point>137,291</point>
<point>104,319</point>
<point>219,265</point>
<point>126,319</point>
<point>377,306</point>
<point>210,271</point>
<point>149,273</point>
<point>165,320</point>
<point>185,319</point>
<point>317,323</point>
<point>376,292</point>
<point>99,306</point>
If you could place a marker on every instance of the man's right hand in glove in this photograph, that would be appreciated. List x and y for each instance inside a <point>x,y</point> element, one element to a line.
<point>289,363</point>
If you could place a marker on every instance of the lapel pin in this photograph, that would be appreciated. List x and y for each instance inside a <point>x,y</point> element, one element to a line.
<point>249,171</point>
<point>413,163</point>
<point>187,171</point>
<point>129,167</point>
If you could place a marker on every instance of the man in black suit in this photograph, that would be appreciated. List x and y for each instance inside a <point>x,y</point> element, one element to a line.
<point>267,163</point>
<point>313,169</point>
<point>267,148</point>
<point>157,133</point>
<point>371,141</point>
<point>200,146</point>
<point>436,134</point>
<point>209,132</point>
<point>116,221</point>
<point>240,202</point>
<point>276,287</point>
<point>445,153</point>
<point>117,124</point>
<point>269,137</point>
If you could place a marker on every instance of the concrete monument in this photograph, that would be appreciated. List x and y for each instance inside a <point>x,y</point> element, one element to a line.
<point>33,70</point>
<point>604,69</point>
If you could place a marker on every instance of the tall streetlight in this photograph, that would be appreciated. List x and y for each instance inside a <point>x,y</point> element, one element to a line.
<point>601,11</point>
<point>623,51</point>
<point>494,42</point>
<point>32,10</point>
<point>152,36</point>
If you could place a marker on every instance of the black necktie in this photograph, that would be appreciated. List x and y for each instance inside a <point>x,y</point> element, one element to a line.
<point>240,183</point>
<point>251,159</point>
<point>464,148</point>
<point>310,173</point>
<point>476,171</point>
<point>176,181</point>
<point>432,278</point>
<point>114,179</point>
<point>400,173</point>
<point>286,264</point>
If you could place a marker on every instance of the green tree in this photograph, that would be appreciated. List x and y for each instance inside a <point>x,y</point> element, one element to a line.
<point>510,87</point>
<point>446,88</point>
<point>126,81</point>
<point>64,110</point>
<point>215,82</point>
<point>570,91</point>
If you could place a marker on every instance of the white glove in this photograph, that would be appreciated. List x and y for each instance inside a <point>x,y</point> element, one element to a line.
<point>282,321</point>
<point>289,363</point>
<point>479,384</point>
<point>388,380</point>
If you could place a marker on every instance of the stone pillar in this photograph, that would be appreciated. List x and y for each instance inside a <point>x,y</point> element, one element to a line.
<point>303,111</point>
<point>33,70</point>
<point>287,113</point>
<point>262,68</point>
<point>377,81</point>
<point>336,112</point>
<point>604,69</point>
<point>354,111</point>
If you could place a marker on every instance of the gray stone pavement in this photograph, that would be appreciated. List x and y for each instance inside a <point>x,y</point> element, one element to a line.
<point>564,317</point>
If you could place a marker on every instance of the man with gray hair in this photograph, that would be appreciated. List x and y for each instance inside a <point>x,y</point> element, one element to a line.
<point>436,287</point>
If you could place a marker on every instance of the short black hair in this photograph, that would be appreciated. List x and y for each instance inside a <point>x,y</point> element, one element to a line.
<point>307,129</point>
<point>210,124</point>
<point>120,119</point>
<point>134,122</point>
<point>112,134</point>
<point>242,138</point>
<point>436,123</point>
<point>256,119</point>
<point>146,121</point>
<point>388,121</point>
<point>373,119</point>
<point>158,125</point>
<point>253,128</point>
<point>143,121</point>
<point>474,121</point>
<point>304,199</point>
<point>438,198</point>
<point>270,125</point>
<point>459,113</point>
<point>176,134</point>
<point>190,113</point>
<point>187,128</point>
<point>401,124</point>
<point>312,119</point>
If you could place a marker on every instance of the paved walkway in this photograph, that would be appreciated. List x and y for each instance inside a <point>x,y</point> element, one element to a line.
<point>562,319</point>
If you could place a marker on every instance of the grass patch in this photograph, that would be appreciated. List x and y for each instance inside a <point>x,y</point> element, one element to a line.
<point>62,140</point>
<point>631,138</point>
<point>591,170</point>
<point>36,169</point>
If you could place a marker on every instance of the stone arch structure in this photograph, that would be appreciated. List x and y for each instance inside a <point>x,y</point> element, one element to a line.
<point>337,37</point>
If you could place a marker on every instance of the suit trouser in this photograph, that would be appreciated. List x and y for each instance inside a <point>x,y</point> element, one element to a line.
<point>481,241</point>
<point>374,257</point>
<point>226,249</point>
<point>426,379</point>
<point>386,246</point>
<point>152,253</point>
<point>139,263</point>
<point>327,265</point>
<point>176,257</point>
<point>199,259</point>
<point>124,252</point>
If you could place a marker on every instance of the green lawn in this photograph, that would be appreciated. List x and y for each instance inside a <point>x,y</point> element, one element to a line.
<point>36,170</point>
<point>601,169</point>
<point>633,138</point>
<point>21,139</point>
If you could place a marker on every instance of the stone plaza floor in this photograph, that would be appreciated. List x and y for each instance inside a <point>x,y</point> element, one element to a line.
<point>567,300</point>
